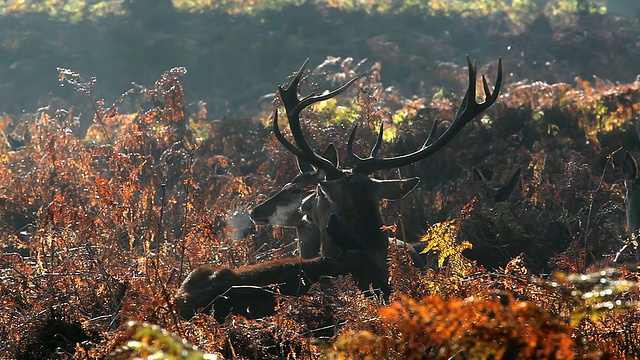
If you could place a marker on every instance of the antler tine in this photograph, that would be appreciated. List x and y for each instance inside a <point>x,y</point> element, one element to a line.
<point>374,151</point>
<point>289,95</point>
<point>431,133</point>
<point>350,153</point>
<point>286,143</point>
<point>313,98</point>
<point>293,106</point>
<point>468,110</point>
<point>376,146</point>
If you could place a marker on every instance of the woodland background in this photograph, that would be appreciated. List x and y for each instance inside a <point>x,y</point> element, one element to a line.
<point>135,138</point>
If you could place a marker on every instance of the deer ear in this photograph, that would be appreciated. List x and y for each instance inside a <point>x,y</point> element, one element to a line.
<point>304,166</point>
<point>331,154</point>
<point>503,192</point>
<point>395,189</point>
<point>629,167</point>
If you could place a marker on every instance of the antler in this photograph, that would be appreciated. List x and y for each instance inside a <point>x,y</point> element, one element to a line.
<point>467,112</point>
<point>293,106</point>
<point>374,151</point>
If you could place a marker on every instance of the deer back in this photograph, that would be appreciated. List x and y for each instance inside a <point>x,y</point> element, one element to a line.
<point>496,192</point>
<point>251,290</point>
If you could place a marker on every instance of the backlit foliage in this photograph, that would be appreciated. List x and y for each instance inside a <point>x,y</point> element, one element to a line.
<point>101,222</point>
<point>476,328</point>
<point>597,294</point>
<point>442,238</point>
<point>77,9</point>
<point>100,228</point>
<point>152,342</point>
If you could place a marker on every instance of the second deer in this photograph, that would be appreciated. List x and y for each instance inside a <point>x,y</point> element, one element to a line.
<point>631,204</point>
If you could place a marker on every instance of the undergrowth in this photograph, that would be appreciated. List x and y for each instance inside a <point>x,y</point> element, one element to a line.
<point>101,224</point>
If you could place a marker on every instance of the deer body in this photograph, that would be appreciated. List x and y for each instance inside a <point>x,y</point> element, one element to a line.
<point>355,199</point>
<point>245,290</point>
<point>500,193</point>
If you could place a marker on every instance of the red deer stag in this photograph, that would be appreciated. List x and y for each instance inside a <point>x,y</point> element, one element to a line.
<point>355,222</point>
<point>352,194</point>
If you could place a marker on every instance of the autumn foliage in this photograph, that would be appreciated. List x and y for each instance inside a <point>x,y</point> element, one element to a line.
<point>483,328</point>
<point>100,223</point>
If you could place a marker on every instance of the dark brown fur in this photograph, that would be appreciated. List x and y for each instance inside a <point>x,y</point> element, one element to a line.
<point>247,291</point>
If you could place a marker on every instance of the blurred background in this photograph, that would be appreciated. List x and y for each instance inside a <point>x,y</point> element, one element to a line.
<point>236,52</point>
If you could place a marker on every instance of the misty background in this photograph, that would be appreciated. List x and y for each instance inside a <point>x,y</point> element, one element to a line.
<point>236,54</point>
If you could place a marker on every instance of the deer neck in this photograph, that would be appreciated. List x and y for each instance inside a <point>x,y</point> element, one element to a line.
<point>354,199</point>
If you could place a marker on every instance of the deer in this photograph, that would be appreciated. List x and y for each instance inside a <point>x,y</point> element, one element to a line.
<point>631,202</point>
<point>353,194</point>
<point>296,203</point>
<point>354,223</point>
<point>284,207</point>
<point>499,193</point>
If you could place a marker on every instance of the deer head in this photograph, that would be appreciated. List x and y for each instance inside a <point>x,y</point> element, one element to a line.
<point>501,192</point>
<point>284,207</point>
<point>353,194</point>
